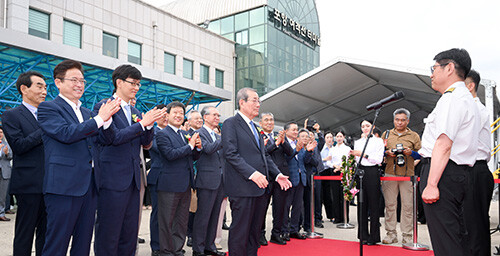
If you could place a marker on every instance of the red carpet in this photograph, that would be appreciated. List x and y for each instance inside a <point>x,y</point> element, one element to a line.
<point>334,247</point>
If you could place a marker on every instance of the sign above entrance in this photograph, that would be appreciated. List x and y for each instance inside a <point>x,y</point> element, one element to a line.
<point>294,28</point>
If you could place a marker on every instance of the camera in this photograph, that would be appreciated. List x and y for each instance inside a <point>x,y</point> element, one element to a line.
<point>310,125</point>
<point>398,151</point>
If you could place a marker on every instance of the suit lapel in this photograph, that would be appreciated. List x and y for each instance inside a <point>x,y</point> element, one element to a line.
<point>176,135</point>
<point>28,116</point>
<point>67,107</point>
<point>245,127</point>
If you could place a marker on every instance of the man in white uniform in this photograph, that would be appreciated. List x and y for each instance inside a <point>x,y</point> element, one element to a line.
<point>449,148</point>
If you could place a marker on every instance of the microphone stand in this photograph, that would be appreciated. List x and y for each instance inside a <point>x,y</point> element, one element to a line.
<point>360,173</point>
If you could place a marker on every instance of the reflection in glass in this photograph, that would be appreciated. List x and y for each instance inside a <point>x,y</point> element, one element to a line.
<point>227,25</point>
<point>241,21</point>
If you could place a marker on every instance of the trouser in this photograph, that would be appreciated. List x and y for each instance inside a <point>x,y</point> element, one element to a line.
<point>31,218</point>
<point>317,205</point>
<point>173,220</point>
<point>295,201</point>
<point>4,186</point>
<point>327,194</point>
<point>391,189</point>
<point>206,218</point>
<point>371,201</point>
<point>477,210</point>
<point>445,218</point>
<point>218,236</point>
<point>153,221</point>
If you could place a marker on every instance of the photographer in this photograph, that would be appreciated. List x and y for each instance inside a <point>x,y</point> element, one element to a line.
<point>400,142</point>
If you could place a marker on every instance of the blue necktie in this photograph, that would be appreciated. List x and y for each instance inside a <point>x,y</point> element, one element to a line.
<point>126,110</point>
<point>182,137</point>
<point>255,133</point>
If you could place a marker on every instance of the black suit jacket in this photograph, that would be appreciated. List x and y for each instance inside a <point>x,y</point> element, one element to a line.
<point>209,166</point>
<point>244,157</point>
<point>24,136</point>
<point>280,154</point>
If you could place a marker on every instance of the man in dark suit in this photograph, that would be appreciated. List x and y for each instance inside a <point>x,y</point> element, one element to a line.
<point>25,138</point>
<point>178,150</point>
<point>71,169</point>
<point>118,204</point>
<point>298,175</point>
<point>247,173</point>
<point>280,150</point>
<point>153,174</point>
<point>208,184</point>
<point>194,122</point>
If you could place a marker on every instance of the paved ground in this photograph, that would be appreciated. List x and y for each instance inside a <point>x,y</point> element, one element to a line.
<point>330,231</point>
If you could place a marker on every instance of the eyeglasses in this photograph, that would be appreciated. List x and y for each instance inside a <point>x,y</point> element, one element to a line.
<point>438,65</point>
<point>254,101</point>
<point>138,85</point>
<point>75,80</point>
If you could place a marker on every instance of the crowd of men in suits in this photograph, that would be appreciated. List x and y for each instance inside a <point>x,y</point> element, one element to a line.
<point>78,171</point>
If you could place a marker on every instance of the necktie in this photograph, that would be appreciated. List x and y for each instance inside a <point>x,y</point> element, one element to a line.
<point>212,133</point>
<point>182,137</point>
<point>36,114</point>
<point>126,110</point>
<point>271,139</point>
<point>255,133</point>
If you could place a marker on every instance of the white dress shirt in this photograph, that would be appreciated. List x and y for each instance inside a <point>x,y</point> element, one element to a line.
<point>337,152</point>
<point>78,113</point>
<point>374,153</point>
<point>457,116</point>
<point>484,146</point>
<point>31,108</point>
<point>123,104</point>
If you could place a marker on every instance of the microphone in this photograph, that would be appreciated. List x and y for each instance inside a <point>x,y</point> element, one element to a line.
<point>380,103</point>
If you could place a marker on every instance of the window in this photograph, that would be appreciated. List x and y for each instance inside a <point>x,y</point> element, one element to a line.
<point>169,63</point>
<point>219,78</point>
<point>241,21</point>
<point>109,45</point>
<point>134,52</point>
<point>204,70</point>
<point>39,24</point>
<point>241,37</point>
<point>72,34</point>
<point>187,70</point>
<point>227,25</point>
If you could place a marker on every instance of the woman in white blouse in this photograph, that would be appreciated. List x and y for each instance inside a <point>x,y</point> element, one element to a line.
<point>374,154</point>
<point>338,151</point>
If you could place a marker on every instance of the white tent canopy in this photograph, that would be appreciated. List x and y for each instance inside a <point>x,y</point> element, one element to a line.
<point>336,95</point>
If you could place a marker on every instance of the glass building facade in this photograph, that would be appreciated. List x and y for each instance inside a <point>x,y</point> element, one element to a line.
<point>275,43</point>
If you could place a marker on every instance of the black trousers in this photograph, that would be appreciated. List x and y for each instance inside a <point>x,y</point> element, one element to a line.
<point>245,230</point>
<point>371,201</point>
<point>31,219</point>
<point>293,209</point>
<point>338,200</point>
<point>477,209</point>
<point>327,193</point>
<point>445,218</point>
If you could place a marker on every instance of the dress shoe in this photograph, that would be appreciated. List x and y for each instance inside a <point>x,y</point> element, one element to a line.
<point>190,242</point>
<point>216,253</point>
<point>218,246</point>
<point>337,221</point>
<point>262,240</point>
<point>225,227</point>
<point>318,225</point>
<point>9,212</point>
<point>155,253</point>
<point>195,253</point>
<point>140,240</point>
<point>277,240</point>
<point>297,235</point>
<point>371,243</point>
<point>3,218</point>
<point>286,236</point>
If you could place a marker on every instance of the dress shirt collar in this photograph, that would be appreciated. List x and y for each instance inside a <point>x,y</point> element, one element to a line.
<point>456,85</point>
<point>247,120</point>
<point>173,128</point>
<point>71,103</point>
<point>122,102</point>
<point>31,108</point>
<point>208,129</point>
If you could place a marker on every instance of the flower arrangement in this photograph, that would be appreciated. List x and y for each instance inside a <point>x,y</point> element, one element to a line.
<point>347,176</point>
<point>135,118</point>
